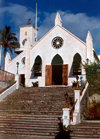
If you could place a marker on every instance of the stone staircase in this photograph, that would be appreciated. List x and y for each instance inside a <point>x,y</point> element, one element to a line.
<point>33,113</point>
<point>85,130</point>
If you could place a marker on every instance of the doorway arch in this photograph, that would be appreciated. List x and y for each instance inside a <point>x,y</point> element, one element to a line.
<point>57,60</point>
<point>57,63</point>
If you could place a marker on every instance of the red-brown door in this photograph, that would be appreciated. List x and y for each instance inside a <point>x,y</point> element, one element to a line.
<point>64,74</point>
<point>48,75</point>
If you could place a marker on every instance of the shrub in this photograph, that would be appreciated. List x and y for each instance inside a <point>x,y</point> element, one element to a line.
<point>93,77</point>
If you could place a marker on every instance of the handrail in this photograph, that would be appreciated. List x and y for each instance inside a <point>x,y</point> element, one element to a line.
<point>72,110</point>
<point>83,88</point>
<point>78,98</point>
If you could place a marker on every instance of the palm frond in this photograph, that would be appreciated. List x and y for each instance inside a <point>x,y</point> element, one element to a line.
<point>8,39</point>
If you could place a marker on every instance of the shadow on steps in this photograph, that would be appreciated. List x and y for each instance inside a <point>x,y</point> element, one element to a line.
<point>63,134</point>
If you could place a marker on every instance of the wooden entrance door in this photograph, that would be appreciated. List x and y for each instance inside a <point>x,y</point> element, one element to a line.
<point>48,79</point>
<point>64,74</point>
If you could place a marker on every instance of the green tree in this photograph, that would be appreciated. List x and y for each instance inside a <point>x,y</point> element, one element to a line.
<point>93,77</point>
<point>8,40</point>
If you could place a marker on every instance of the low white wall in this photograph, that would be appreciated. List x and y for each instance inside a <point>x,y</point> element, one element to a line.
<point>8,91</point>
<point>77,111</point>
<point>82,78</point>
<point>39,80</point>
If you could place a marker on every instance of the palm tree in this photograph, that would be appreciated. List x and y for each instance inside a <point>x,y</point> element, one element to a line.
<point>8,40</point>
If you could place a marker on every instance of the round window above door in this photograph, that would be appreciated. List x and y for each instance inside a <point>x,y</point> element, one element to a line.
<point>57,42</point>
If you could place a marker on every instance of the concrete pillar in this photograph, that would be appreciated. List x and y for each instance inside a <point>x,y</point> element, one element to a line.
<point>17,81</point>
<point>77,98</point>
<point>76,114</point>
<point>66,117</point>
<point>27,63</point>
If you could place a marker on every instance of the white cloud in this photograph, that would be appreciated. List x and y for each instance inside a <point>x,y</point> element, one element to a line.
<point>78,24</point>
<point>19,14</point>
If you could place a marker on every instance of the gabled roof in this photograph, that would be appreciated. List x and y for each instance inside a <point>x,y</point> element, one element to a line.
<point>73,35</point>
<point>62,29</point>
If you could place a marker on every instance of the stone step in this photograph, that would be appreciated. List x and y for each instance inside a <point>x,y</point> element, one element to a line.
<point>28,125</point>
<point>29,121</point>
<point>30,129</point>
<point>39,117</point>
<point>34,105</point>
<point>85,127</point>
<point>14,136</point>
<point>85,136</point>
<point>85,130</point>
<point>33,112</point>
<point>30,116</point>
<point>38,133</point>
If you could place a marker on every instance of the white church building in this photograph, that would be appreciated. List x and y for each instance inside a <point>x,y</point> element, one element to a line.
<point>55,59</point>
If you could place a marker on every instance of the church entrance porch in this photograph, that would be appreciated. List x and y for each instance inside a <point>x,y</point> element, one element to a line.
<point>57,72</point>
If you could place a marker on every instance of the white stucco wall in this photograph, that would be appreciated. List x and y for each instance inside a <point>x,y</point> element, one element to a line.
<point>13,67</point>
<point>70,47</point>
<point>44,49</point>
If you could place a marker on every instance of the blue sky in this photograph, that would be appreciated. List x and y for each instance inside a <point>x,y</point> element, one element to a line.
<point>78,16</point>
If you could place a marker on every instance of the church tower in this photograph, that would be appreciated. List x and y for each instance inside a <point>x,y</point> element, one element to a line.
<point>27,31</point>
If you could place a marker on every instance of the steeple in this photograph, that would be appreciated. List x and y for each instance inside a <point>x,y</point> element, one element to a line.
<point>89,36</point>
<point>89,44</point>
<point>58,20</point>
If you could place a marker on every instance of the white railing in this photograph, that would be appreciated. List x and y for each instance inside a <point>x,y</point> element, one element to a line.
<point>72,116</point>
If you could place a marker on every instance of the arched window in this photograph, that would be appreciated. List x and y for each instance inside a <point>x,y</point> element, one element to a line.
<point>37,68</point>
<point>76,65</point>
